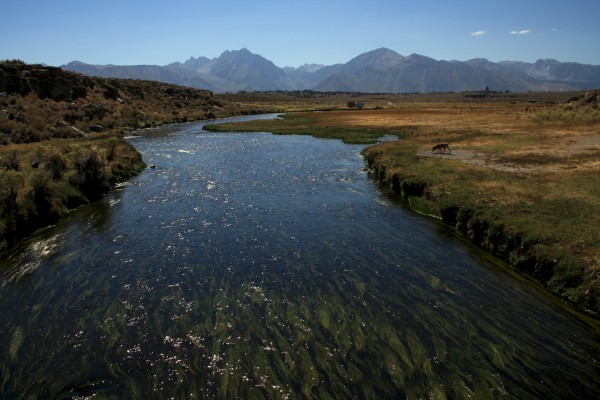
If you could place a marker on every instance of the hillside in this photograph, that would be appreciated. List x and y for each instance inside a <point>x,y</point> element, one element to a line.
<point>61,137</point>
<point>378,71</point>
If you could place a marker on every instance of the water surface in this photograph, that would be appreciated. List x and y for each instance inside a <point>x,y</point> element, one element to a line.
<point>263,266</point>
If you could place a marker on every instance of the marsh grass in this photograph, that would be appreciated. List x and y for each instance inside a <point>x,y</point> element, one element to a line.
<point>305,124</point>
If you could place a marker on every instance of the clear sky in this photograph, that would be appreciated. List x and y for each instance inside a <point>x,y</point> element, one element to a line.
<point>291,33</point>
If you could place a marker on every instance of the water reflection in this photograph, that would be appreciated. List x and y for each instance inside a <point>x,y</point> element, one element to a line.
<point>254,266</point>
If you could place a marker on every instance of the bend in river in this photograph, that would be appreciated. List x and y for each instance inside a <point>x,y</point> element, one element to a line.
<point>262,266</point>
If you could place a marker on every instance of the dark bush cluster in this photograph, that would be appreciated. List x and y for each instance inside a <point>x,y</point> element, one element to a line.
<point>93,173</point>
<point>11,161</point>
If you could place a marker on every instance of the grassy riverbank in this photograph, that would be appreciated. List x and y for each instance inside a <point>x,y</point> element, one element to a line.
<point>47,180</point>
<point>523,179</point>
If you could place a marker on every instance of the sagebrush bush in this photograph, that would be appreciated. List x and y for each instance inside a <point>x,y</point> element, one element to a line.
<point>10,161</point>
<point>569,113</point>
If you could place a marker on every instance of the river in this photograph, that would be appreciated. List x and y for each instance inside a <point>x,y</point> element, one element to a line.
<point>265,266</point>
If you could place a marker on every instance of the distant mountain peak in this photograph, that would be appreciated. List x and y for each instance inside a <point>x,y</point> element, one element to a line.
<point>310,67</point>
<point>380,52</point>
<point>378,58</point>
<point>242,51</point>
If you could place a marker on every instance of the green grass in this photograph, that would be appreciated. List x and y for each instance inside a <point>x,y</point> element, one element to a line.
<point>302,124</point>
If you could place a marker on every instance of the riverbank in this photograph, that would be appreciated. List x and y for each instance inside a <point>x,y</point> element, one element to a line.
<point>46,181</point>
<point>522,181</point>
<point>62,137</point>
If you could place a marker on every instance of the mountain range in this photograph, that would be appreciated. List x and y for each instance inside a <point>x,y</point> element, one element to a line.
<point>378,71</point>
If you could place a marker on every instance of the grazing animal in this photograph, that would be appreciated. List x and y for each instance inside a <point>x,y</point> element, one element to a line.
<point>441,148</point>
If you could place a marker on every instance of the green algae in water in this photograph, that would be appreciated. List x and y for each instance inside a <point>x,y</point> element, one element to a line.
<point>15,343</point>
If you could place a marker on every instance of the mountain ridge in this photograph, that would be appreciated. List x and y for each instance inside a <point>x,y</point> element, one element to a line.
<point>378,71</point>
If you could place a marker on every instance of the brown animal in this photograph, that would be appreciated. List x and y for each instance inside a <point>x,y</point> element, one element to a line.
<point>441,148</point>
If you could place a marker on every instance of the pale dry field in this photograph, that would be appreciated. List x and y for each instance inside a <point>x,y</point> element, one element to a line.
<point>505,137</point>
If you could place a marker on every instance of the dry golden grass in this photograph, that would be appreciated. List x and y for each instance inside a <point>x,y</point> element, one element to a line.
<point>503,136</point>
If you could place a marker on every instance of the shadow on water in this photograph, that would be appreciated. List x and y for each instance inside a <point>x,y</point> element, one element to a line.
<point>23,259</point>
<point>260,266</point>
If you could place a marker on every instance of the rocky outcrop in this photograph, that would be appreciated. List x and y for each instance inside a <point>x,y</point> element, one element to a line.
<point>46,82</point>
<point>592,98</point>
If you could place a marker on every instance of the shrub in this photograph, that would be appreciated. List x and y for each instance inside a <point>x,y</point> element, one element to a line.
<point>11,182</point>
<point>40,182</point>
<point>93,172</point>
<point>111,148</point>
<point>39,155</point>
<point>11,161</point>
<point>56,164</point>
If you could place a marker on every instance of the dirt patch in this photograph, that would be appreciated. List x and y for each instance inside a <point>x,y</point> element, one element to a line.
<point>475,158</point>
<point>581,152</point>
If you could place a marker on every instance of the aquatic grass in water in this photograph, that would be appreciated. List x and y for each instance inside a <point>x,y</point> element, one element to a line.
<point>265,266</point>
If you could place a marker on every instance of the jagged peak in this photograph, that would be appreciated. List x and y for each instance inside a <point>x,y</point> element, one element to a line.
<point>369,71</point>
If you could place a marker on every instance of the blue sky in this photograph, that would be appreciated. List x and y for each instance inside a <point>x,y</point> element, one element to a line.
<point>291,33</point>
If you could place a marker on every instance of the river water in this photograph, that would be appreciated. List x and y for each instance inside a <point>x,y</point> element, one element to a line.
<point>263,266</point>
